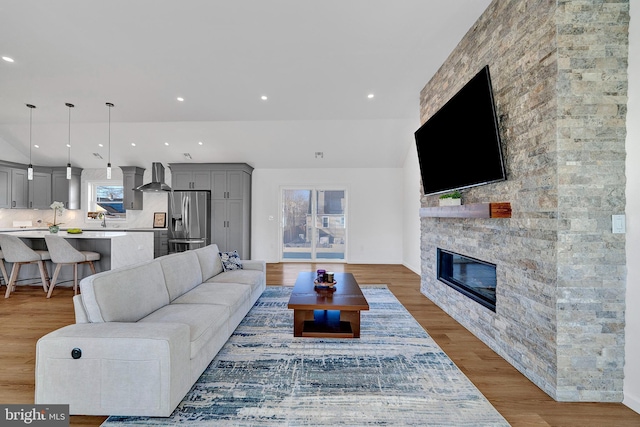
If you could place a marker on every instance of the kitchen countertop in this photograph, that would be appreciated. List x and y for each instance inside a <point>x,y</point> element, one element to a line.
<point>14,229</point>
<point>39,234</point>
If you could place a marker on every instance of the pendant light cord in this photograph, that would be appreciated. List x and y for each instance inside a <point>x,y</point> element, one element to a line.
<point>109,104</point>
<point>69,141</point>
<point>31,107</point>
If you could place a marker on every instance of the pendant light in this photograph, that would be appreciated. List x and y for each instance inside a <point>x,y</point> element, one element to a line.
<point>108,104</point>
<point>30,168</point>
<point>69,143</point>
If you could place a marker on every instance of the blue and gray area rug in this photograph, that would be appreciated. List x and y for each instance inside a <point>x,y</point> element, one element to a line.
<point>394,375</point>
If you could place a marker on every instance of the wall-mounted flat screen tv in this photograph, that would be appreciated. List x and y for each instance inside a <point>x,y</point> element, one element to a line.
<point>459,146</point>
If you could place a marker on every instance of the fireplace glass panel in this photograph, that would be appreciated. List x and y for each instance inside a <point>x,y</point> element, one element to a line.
<point>472,277</point>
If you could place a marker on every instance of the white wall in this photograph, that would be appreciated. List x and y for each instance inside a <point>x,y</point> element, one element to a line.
<point>411,221</point>
<point>374,211</point>
<point>632,328</point>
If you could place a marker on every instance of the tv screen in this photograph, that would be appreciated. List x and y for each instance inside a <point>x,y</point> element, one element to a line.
<point>459,146</point>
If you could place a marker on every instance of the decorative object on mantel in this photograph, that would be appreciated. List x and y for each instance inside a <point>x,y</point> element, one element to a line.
<point>451,199</point>
<point>58,209</point>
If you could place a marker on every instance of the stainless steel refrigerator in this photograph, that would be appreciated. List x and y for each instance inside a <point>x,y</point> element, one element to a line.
<point>189,220</point>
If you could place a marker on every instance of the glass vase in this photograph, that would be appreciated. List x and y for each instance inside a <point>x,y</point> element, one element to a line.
<point>54,229</point>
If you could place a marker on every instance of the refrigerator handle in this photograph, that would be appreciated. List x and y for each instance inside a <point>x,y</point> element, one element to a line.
<point>185,214</point>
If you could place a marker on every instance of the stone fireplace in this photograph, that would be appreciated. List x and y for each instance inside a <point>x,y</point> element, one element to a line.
<point>559,74</point>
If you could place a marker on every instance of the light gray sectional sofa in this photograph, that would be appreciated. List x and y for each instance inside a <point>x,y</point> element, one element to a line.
<point>145,333</point>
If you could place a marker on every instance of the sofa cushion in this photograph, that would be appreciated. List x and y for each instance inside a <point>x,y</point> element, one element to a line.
<point>235,297</point>
<point>254,278</point>
<point>124,295</point>
<point>210,262</point>
<point>204,321</point>
<point>181,272</point>
<point>230,261</point>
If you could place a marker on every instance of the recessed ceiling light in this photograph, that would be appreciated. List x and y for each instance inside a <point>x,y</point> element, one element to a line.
<point>100,145</point>
<point>36,145</point>
<point>370,96</point>
<point>200,143</point>
<point>68,145</point>
<point>181,99</point>
<point>133,144</point>
<point>166,143</point>
<point>6,58</point>
<point>264,97</point>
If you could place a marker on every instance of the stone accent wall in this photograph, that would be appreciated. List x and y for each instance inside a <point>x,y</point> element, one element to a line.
<point>558,70</point>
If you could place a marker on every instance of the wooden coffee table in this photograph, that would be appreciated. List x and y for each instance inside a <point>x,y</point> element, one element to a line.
<point>327,313</point>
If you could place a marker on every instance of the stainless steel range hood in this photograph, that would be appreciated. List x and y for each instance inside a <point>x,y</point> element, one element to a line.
<point>157,180</point>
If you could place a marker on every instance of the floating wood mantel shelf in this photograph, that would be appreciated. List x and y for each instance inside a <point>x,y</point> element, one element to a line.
<point>473,210</point>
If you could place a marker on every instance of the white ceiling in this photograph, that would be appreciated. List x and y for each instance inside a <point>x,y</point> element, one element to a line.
<point>315,60</point>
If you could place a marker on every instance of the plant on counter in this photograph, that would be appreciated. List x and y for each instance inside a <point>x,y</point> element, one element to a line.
<point>58,209</point>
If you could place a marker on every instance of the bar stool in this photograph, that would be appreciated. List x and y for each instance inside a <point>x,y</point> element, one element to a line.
<point>63,253</point>
<point>5,276</point>
<point>17,252</point>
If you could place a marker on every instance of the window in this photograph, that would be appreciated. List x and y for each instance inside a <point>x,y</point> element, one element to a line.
<point>106,197</point>
<point>313,224</point>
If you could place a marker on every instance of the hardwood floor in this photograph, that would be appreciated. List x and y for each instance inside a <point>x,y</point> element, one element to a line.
<point>27,315</point>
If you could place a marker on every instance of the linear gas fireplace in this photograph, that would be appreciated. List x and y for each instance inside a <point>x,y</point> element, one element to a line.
<point>472,277</point>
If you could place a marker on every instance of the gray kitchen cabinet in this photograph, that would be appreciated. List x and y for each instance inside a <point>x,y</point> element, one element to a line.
<point>230,185</point>
<point>160,243</point>
<point>66,190</point>
<point>39,189</point>
<point>186,177</point>
<point>132,177</point>
<point>5,187</point>
<point>19,188</point>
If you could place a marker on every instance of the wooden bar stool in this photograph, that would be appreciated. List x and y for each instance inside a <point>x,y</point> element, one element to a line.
<point>17,252</point>
<point>62,253</point>
<point>5,276</point>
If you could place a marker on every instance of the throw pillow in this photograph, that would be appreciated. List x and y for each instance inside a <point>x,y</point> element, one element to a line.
<point>230,261</point>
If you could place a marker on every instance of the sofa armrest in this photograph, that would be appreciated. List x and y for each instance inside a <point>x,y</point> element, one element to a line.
<point>253,264</point>
<point>122,368</point>
<point>78,308</point>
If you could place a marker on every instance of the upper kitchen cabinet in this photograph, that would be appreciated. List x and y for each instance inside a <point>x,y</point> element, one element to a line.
<point>19,188</point>
<point>230,184</point>
<point>14,187</point>
<point>66,190</point>
<point>132,177</point>
<point>190,176</point>
<point>40,188</point>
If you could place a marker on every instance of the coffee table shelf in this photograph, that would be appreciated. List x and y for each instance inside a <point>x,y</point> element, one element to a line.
<point>312,328</point>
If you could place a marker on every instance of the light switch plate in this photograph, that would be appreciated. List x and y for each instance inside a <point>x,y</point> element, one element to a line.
<point>618,225</point>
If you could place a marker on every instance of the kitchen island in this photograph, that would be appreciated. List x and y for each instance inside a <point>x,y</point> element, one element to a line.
<point>117,249</point>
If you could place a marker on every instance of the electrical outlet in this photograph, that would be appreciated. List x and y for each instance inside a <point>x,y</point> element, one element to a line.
<point>618,225</point>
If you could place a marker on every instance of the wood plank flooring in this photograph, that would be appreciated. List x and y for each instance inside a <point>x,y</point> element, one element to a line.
<point>27,315</point>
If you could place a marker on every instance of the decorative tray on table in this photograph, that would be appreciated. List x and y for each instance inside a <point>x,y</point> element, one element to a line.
<point>324,286</point>
<point>74,231</point>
